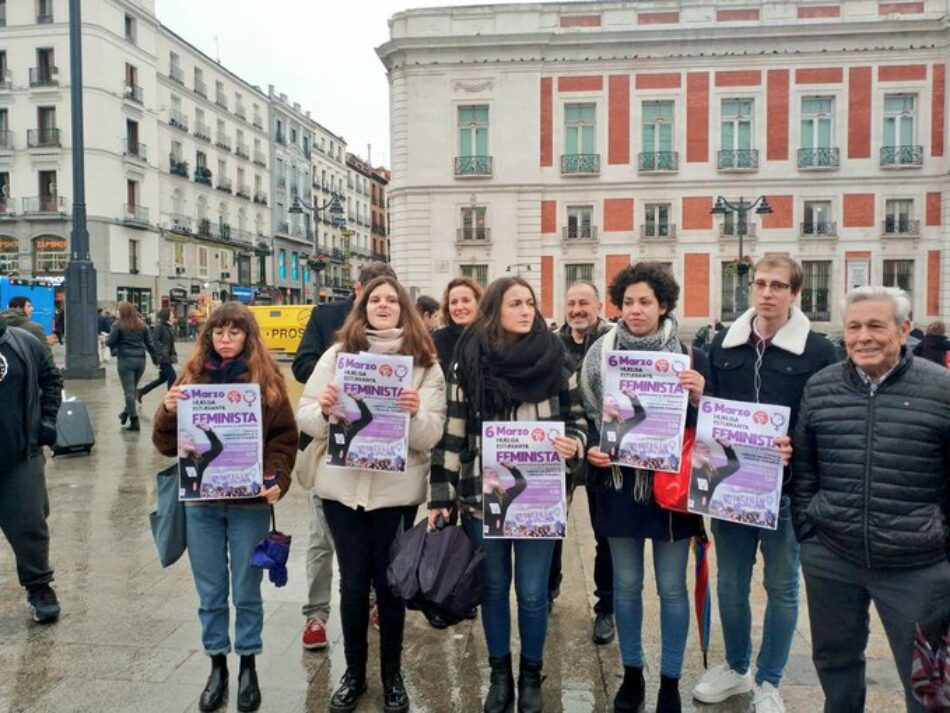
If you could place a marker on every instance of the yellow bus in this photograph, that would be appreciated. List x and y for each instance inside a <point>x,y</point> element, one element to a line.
<point>282,326</point>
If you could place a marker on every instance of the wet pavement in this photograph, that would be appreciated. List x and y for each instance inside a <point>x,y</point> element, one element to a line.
<point>128,639</point>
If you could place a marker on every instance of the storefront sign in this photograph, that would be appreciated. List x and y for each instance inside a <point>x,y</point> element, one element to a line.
<point>244,294</point>
<point>177,293</point>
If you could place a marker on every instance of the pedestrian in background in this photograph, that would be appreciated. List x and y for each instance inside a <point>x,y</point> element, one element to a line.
<point>130,340</point>
<point>163,337</point>
<point>31,391</point>
<point>646,295</point>
<point>59,324</point>
<point>934,345</point>
<point>19,313</point>
<point>583,326</point>
<point>103,327</point>
<point>510,367</point>
<point>367,509</point>
<point>428,309</point>
<point>320,334</point>
<point>870,498</point>
<point>221,534</point>
<point>766,356</point>
<point>459,309</point>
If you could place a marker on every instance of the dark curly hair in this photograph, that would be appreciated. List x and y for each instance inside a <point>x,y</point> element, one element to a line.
<point>657,275</point>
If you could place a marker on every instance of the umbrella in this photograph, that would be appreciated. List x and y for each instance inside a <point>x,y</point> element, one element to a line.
<point>930,672</point>
<point>701,597</point>
<point>271,554</point>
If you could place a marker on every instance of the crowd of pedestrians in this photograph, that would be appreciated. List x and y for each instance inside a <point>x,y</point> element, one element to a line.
<point>864,512</point>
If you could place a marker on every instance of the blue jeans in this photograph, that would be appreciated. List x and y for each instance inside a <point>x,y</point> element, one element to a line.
<point>532,569</point>
<point>215,530</point>
<point>669,566</point>
<point>735,555</point>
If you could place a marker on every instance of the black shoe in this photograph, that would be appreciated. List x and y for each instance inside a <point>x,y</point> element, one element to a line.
<point>213,694</point>
<point>395,698</point>
<point>44,606</point>
<point>347,695</point>
<point>436,621</point>
<point>133,425</point>
<point>123,417</point>
<point>529,686</point>
<point>603,629</point>
<point>139,395</point>
<point>249,693</point>
<point>501,692</point>
<point>668,700</point>
<point>472,613</point>
<point>630,695</point>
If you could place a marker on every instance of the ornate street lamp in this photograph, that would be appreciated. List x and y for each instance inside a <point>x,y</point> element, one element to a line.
<point>317,261</point>
<point>741,208</point>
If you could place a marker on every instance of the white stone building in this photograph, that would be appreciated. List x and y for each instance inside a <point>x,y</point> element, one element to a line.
<point>331,238</point>
<point>563,140</point>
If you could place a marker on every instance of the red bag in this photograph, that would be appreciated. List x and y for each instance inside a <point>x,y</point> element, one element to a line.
<point>671,490</point>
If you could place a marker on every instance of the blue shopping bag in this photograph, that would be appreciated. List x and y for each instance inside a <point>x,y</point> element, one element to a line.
<point>168,518</point>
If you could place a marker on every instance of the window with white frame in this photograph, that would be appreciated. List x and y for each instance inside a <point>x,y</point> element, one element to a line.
<point>202,261</point>
<point>817,218</point>
<point>580,139</point>
<point>473,130</point>
<point>657,220</point>
<point>133,257</point>
<point>899,119</point>
<point>578,272</point>
<point>736,134</point>
<point>178,255</point>
<point>657,136</point>
<point>817,133</point>
<point>900,273</point>
<point>479,273</point>
<point>816,289</point>
<point>898,216</point>
<point>579,222</point>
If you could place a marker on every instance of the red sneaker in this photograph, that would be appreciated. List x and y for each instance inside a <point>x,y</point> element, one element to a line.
<point>314,635</point>
<point>374,616</point>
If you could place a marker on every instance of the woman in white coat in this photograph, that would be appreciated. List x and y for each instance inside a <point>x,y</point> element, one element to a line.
<point>365,509</point>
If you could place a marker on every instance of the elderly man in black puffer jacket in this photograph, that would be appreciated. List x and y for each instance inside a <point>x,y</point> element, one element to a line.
<point>870,496</point>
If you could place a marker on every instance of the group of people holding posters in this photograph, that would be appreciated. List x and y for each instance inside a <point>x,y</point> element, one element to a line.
<point>495,428</point>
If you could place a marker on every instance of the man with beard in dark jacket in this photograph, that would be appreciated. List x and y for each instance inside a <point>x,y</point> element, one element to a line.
<point>582,327</point>
<point>31,391</point>
<point>870,497</point>
<point>325,321</point>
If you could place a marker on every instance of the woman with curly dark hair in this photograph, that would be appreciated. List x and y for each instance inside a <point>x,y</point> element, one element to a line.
<point>646,294</point>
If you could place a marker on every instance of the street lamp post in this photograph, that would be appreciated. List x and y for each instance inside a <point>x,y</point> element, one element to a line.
<point>741,208</point>
<point>300,206</point>
<point>82,348</point>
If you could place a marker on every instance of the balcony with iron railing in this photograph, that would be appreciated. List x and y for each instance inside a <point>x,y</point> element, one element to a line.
<point>818,159</point>
<point>818,230</point>
<point>474,166</point>
<point>201,88</point>
<point>260,198</point>
<point>176,74</point>
<point>44,76</point>
<point>135,215</point>
<point>221,100</point>
<point>204,227</point>
<point>578,233</point>
<point>896,227</point>
<point>580,164</point>
<point>240,112</point>
<point>177,166</point>
<point>6,140</point>
<point>6,78</point>
<point>133,92</point>
<point>243,191</point>
<point>472,236</point>
<point>43,138</point>
<point>223,141</point>
<point>731,232</point>
<point>135,149</point>
<point>202,131</point>
<point>203,175</point>
<point>659,161</point>
<point>177,120</point>
<point>241,150</point>
<point>658,231</point>
<point>739,160</point>
<point>380,257</point>
<point>45,17</point>
<point>7,207</point>
<point>280,138</point>
<point>44,205</point>
<point>260,158</point>
<point>179,223</point>
<point>337,255</point>
<point>224,185</point>
<point>902,156</point>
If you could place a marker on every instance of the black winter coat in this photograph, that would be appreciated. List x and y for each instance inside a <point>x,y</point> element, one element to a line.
<point>325,321</point>
<point>164,340</point>
<point>933,347</point>
<point>870,473</point>
<point>445,340</point>
<point>131,344</point>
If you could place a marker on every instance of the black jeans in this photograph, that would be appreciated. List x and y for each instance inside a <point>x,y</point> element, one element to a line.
<point>603,566</point>
<point>362,540</point>
<point>24,508</point>
<point>130,371</point>
<point>166,375</point>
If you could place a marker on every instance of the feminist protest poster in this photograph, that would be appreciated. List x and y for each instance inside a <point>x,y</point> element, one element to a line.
<point>736,469</point>
<point>644,409</point>
<point>523,492</point>
<point>220,442</point>
<point>368,430</point>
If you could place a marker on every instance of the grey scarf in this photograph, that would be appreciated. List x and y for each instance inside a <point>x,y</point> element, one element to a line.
<point>592,387</point>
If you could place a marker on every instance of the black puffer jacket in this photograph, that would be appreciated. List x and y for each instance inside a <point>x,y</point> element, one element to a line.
<point>871,472</point>
<point>131,344</point>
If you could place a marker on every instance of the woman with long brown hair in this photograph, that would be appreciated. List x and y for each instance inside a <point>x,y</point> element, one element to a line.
<point>459,309</point>
<point>130,340</point>
<point>222,533</point>
<point>366,509</point>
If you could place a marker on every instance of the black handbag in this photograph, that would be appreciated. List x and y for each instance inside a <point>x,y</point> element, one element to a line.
<point>168,518</point>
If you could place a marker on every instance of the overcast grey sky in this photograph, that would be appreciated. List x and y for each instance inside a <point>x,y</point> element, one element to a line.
<point>319,53</point>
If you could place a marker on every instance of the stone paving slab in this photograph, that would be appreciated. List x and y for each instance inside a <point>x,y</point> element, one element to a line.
<point>129,639</point>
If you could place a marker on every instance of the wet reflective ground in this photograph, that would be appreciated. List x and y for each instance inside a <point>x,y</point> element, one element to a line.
<point>129,640</point>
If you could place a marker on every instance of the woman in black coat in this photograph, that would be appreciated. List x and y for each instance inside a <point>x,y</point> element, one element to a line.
<point>163,337</point>
<point>934,345</point>
<point>130,341</point>
<point>459,309</point>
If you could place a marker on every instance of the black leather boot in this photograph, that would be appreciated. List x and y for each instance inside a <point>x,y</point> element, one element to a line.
<point>395,698</point>
<point>133,424</point>
<point>347,695</point>
<point>249,693</point>
<point>213,694</point>
<point>501,692</point>
<point>668,700</point>
<point>529,686</point>
<point>630,695</point>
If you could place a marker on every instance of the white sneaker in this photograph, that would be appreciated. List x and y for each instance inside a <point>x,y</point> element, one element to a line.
<point>720,683</point>
<point>767,699</point>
